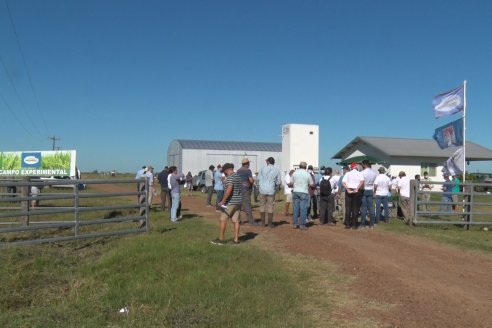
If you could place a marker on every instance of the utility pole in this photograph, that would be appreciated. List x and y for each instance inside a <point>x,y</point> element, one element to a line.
<point>54,139</point>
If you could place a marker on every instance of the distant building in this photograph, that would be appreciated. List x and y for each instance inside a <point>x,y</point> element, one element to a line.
<point>198,155</point>
<point>414,156</point>
<point>300,142</point>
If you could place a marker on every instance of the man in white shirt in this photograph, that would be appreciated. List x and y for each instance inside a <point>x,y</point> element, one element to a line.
<point>404,187</point>
<point>367,195</point>
<point>426,187</point>
<point>352,182</point>
<point>288,191</point>
<point>381,187</point>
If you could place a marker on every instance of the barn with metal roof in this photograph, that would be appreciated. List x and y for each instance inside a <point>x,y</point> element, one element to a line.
<point>198,155</point>
<point>414,156</point>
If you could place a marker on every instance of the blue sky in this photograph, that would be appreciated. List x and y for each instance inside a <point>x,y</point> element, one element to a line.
<point>118,80</point>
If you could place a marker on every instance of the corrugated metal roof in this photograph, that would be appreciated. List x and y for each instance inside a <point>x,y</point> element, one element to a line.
<point>416,148</point>
<point>231,145</point>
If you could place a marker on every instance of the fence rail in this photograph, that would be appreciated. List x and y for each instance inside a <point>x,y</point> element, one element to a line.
<point>471,205</point>
<point>39,211</point>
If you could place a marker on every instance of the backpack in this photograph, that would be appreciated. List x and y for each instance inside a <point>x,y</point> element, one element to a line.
<point>325,187</point>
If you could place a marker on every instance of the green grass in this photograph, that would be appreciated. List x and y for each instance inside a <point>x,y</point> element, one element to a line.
<point>173,277</point>
<point>170,277</point>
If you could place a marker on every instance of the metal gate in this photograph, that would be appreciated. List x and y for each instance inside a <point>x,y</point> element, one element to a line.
<point>70,209</point>
<point>471,205</point>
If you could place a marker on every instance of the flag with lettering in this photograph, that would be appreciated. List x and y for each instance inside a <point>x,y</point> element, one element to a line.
<point>449,103</point>
<point>450,135</point>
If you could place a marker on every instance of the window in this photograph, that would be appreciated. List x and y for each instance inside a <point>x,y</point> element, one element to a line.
<point>429,168</point>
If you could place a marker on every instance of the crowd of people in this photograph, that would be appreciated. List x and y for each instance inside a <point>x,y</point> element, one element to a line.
<point>360,198</point>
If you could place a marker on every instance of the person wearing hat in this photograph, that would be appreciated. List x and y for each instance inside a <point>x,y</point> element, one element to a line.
<point>232,200</point>
<point>353,182</point>
<point>404,189</point>
<point>382,188</point>
<point>247,182</point>
<point>269,180</point>
<point>300,196</point>
<point>209,184</point>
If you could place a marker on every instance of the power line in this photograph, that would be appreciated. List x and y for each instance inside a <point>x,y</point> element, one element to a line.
<point>26,66</point>
<point>9,77</point>
<point>15,116</point>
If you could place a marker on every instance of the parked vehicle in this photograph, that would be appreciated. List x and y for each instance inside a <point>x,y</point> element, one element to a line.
<point>199,181</point>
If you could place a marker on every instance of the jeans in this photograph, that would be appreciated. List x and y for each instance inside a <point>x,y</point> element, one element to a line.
<point>384,201</point>
<point>367,204</point>
<point>445,204</point>
<point>300,200</point>
<point>174,206</point>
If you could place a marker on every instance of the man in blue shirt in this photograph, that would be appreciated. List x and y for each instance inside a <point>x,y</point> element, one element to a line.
<point>269,180</point>
<point>218,186</point>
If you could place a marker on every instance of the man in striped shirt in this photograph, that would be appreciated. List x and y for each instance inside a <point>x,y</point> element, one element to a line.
<point>232,200</point>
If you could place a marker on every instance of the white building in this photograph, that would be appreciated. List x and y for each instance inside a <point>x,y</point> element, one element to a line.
<point>413,156</point>
<point>300,142</point>
<point>198,155</point>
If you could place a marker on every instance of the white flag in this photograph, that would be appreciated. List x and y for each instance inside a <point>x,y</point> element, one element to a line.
<point>455,164</point>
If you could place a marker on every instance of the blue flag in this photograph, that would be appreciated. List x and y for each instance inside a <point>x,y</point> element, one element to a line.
<point>450,135</point>
<point>449,103</point>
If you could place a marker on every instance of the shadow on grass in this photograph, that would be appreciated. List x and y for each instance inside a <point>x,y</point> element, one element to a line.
<point>191,216</point>
<point>248,236</point>
<point>164,230</point>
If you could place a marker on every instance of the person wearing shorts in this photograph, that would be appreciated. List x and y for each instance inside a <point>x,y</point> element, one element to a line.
<point>232,200</point>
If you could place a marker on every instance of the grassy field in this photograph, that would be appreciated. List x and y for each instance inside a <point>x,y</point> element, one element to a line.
<point>173,277</point>
<point>170,277</point>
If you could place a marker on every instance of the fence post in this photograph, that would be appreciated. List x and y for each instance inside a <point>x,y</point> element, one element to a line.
<point>25,203</point>
<point>76,208</point>
<point>468,208</point>
<point>413,201</point>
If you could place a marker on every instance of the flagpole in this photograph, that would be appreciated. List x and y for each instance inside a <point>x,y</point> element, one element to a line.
<point>464,131</point>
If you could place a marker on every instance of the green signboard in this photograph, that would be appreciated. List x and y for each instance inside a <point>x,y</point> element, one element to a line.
<point>37,163</point>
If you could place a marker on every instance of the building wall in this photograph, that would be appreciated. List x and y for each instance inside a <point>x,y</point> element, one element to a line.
<point>412,166</point>
<point>300,142</point>
<point>195,160</point>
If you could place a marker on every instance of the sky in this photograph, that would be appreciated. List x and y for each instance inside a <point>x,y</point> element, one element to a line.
<point>117,81</point>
